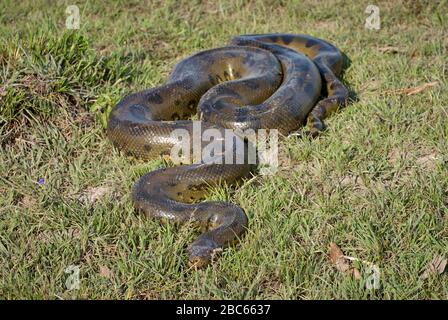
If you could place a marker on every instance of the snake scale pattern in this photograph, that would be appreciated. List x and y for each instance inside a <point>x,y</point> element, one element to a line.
<point>271,81</point>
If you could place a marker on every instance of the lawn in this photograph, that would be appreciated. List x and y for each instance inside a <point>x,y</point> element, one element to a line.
<point>375,182</point>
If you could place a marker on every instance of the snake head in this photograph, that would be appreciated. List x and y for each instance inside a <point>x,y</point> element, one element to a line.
<point>202,252</point>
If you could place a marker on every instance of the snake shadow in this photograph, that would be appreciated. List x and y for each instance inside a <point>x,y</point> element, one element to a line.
<point>352,95</point>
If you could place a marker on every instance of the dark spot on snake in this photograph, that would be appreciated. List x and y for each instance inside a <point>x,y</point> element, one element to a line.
<point>188,84</point>
<point>177,102</point>
<point>310,43</point>
<point>322,108</point>
<point>165,153</point>
<point>252,84</point>
<point>128,153</point>
<point>147,147</point>
<point>201,186</point>
<point>211,79</point>
<point>192,104</point>
<point>241,114</point>
<point>227,76</point>
<point>273,38</point>
<point>154,97</point>
<point>287,39</point>
<point>171,183</point>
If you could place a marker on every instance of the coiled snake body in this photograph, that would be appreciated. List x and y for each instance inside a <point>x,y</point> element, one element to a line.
<point>268,81</point>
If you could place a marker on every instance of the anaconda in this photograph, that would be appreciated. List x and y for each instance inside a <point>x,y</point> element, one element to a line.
<point>270,81</point>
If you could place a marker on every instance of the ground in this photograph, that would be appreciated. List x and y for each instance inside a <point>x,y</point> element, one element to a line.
<point>375,183</point>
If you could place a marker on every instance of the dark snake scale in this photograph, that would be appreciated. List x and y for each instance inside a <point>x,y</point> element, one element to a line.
<point>267,81</point>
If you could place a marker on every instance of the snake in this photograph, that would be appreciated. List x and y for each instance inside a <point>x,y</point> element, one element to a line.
<point>257,81</point>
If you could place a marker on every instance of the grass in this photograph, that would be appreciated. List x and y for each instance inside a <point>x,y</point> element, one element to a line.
<point>375,183</point>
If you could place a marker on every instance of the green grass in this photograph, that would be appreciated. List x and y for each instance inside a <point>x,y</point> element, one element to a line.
<point>375,183</point>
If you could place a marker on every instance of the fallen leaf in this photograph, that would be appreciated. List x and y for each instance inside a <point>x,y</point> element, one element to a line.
<point>75,233</point>
<point>427,161</point>
<point>436,266</point>
<point>411,91</point>
<point>394,156</point>
<point>418,89</point>
<point>390,49</point>
<point>94,194</point>
<point>335,252</point>
<point>356,274</point>
<point>341,262</point>
<point>29,201</point>
<point>105,272</point>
